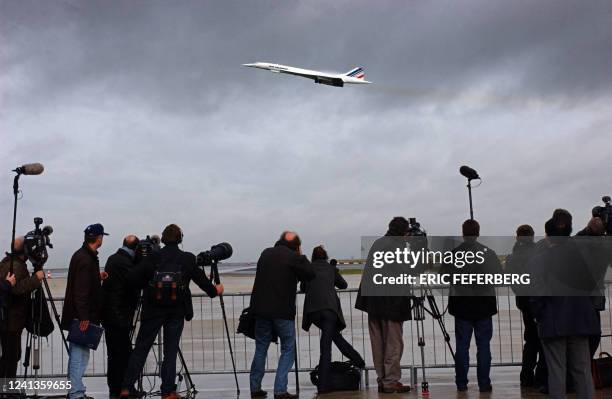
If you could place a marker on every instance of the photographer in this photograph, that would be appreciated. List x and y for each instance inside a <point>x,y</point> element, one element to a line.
<point>165,275</point>
<point>18,305</point>
<point>565,323</point>
<point>120,301</point>
<point>273,303</point>
<point>386,316</point>
<point>533,365</point>
<point>322,308</point>
<point>597,255</point>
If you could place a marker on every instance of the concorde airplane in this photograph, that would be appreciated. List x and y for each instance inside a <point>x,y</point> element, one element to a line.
<point>354,76</point>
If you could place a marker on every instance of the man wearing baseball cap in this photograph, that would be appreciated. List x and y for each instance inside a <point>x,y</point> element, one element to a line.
<point>82,302</point>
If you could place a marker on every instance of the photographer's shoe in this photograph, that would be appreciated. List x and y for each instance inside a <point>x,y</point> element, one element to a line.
<point>398,387</point>
<point>259,394</point>
<point>285,395</point>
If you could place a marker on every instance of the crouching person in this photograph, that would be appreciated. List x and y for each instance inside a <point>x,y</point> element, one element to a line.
<point>322,308</point>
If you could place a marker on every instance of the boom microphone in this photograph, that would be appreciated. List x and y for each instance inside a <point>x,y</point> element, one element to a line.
<point>468,172</point>
<point>30,169</point>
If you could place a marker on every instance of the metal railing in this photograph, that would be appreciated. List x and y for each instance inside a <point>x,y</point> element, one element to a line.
<point>205,348</point>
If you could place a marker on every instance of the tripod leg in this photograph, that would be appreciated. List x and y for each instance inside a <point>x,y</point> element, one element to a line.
<point>26,355</point>
<point>421,334</point>
<point>297,371</point>
<point>55,313</point>
<point>435,313</point>
<point>190,385</point>
<point>229,342</point>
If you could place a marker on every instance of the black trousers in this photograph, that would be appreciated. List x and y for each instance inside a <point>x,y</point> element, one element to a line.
<point>149,328</point>
<point>118,350</point>
<point>533,370</point>
<point>327,321</point>
<point>11,353</point>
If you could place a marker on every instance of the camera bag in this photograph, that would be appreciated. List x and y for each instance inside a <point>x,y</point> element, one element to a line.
<point>344,377</point>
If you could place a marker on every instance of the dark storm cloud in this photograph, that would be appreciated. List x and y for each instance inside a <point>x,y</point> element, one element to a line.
<point>143,115</point>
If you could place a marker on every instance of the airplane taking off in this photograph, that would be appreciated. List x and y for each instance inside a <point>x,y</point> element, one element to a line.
<point>354,76</point>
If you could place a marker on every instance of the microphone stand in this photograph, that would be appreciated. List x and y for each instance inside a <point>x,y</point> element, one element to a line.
<point>469,187</point>
<point>215,274</point>
<point>15,194</point>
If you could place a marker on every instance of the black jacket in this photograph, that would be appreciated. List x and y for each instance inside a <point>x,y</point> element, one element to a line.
<point>395,306</point>
<point>278,271</point>
<point>562,270</point>
<point>483,302</point>
<point>321,293</point>
<point>120,299</point>
<point>143,273</point>
<point>19,300</point>
<point>517,262</point>
<point>83,290</point>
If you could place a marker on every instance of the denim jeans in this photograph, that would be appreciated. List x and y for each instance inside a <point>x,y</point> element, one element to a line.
<point>78,357</point>
<point>483,331</point>
<point>149,328</point>
<point>264,328</point>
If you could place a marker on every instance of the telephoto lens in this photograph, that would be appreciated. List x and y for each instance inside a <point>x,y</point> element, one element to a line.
<point>215,254</point>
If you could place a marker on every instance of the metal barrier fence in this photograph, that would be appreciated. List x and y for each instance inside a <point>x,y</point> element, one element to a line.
<point>205,348</point>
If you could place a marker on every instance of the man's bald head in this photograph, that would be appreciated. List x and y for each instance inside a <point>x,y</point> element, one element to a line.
<point>131,242</point>
<point>18,246</point>
<point>291,239</point>
<point>596,227</point>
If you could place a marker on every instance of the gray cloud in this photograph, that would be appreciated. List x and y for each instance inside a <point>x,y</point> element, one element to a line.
<point>143,116</point>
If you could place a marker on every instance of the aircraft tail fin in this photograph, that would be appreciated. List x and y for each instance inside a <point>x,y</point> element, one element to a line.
<point>358,73</point>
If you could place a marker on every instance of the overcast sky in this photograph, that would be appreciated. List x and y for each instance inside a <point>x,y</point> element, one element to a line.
<point>143,115</point>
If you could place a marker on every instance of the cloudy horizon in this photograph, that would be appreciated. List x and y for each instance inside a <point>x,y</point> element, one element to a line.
<point>143,115</point>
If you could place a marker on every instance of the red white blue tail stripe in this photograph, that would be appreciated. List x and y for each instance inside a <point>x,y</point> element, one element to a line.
<point>358,73</point>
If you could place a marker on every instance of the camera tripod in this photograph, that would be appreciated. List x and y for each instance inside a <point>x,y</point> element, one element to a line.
<point>39,309</point>
<point>419,311</point>
<point>183,374</point>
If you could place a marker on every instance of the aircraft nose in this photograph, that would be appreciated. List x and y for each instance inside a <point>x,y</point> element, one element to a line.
<point>249,65</point>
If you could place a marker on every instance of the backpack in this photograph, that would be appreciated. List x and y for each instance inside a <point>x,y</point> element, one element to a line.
<point>38,320</point>
<point>344,377</point>
<point>167,288</point>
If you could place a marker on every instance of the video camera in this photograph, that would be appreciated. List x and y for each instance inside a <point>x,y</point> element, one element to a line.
<point>215,254</point>
<point>146,247</point>
<point>36,243</point>
<point>415,229</point>
<point>605,214</point>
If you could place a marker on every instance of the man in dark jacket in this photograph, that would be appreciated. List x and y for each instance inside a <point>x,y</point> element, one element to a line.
<point>120,301</point>
<point>165,276</point>
<point>82,302</point>
<point>386,316</point>
<point>473,307</point>
<point>565,323</point>
<point>17,309</point>
<point>273,303</point>
<point>533,356</point>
